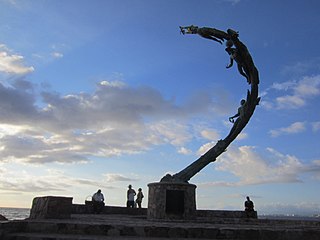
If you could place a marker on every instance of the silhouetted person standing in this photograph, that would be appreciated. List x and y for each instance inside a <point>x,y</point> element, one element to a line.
<point>130,197</point>
<point>139,197</point>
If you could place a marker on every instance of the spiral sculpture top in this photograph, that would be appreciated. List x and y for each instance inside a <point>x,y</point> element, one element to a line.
<point>239,53</point>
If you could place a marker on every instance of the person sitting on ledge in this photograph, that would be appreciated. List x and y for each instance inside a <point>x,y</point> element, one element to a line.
<point>98,202</point>
<point>248,205</point>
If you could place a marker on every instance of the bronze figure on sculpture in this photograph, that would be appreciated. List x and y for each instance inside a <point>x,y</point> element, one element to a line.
<point>209,33</point>
<point>236,56</point>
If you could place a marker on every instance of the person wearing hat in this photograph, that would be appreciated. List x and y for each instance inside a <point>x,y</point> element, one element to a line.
<point>130,196</point>
<point>139,197</point>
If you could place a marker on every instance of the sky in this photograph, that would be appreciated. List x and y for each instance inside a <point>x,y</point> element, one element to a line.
<point>102,94</point>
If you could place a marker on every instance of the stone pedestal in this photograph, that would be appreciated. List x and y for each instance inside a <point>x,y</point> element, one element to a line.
<point>171,201</point>
<point>51,207</point>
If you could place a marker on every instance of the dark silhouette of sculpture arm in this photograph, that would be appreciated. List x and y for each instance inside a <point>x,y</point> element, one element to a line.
<point>251,102</point>
<point>205,32</point>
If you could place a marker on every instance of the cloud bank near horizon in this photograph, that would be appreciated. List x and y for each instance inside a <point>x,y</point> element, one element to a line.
<point>115,119</point>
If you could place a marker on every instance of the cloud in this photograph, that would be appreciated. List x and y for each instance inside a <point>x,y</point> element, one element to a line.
<point>170,131</point>
<point>294,128</point>
<point>210,134</point>
<point>114,177</point>
<point>290,101</point>
<point>15,3</point>
<point>315,126</point>
<point>273,167</point>
<point>12,63</point>
<point>113,120</point>
<point>284,85</point>
<point>308,87</point>
<point>301,67</point>
<point>297,68</point>
<point>57,55</point>
<point>217,184</point>
<point>115,83</point>
<point>242,136</point>
<point>233,2</point>
<point>22,181</point>
<point>215,136</point>
<point>184,151</point>
<point>204,148</point>
<point>51,181</point>
<point>315,169</point>
<point>298,93</point>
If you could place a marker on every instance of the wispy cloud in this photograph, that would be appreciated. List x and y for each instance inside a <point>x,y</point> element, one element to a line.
<point>113,120</point>
<point>57,55</point>
<point>115,177</point>
<point>12,63</point>
<point>215,136</point>
<point>233,2</point>
<point>306,88</point>
<point>205,147</point>
<point>210,134</point>
<point>296,93</point>
<point>316,126</point>
<point>294,128</point>
<point>184,151</point>
<point>270,168</point>
<point>290,101</point>
<point>50,181</point>
<point>171,131</point>
<point>301,67</point>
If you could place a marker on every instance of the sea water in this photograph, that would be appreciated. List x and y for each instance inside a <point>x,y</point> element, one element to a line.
<point>15,213</point>
<point>289,217</point>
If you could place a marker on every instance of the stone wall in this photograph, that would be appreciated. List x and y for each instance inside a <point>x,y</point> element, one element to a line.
<point>203,214</point>
<point>209,214</point>
<point>180,197</point>
<point>87,209</point>
<point>51,207</point>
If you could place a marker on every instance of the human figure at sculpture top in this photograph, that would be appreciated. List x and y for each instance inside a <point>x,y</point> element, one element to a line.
<point>234,55</point>
<point>209,33</point>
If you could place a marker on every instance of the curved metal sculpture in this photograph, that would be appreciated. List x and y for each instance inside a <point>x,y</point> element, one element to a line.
<point>239,53</point>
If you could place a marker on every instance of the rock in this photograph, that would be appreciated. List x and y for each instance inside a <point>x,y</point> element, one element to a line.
<point>3,218</point>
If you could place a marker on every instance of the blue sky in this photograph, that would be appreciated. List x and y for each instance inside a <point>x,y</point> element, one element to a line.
<point>103,94</point>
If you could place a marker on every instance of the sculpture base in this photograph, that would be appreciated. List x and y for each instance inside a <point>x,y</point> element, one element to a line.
<point>169,200</point>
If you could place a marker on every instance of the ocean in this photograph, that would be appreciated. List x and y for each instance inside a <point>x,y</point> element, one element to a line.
<point>284,217</point>
<point>15,213</point>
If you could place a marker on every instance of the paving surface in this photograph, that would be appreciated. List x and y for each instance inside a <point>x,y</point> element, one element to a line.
<point>121,226</point>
